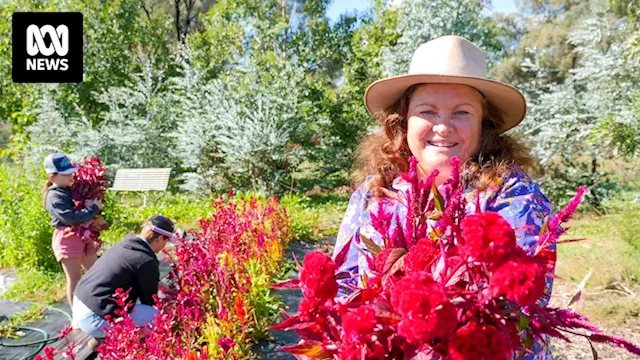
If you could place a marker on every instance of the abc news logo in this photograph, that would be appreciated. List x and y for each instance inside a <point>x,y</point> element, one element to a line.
<point>47,47</point>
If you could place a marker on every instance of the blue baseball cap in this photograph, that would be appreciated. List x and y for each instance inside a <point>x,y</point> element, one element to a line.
<point>58,164</point>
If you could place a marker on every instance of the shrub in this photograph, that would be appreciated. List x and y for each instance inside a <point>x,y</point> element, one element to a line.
<point>25,233</point>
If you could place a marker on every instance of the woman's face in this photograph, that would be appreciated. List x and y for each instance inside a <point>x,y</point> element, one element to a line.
<point>444,120</point>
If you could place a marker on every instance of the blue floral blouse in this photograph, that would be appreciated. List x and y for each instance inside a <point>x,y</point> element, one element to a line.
<point>516,197</point>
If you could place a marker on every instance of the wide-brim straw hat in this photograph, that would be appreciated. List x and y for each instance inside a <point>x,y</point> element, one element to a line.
<point>449,60</point>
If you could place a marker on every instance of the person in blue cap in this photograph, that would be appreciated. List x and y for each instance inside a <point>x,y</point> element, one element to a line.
<point>70,250</point>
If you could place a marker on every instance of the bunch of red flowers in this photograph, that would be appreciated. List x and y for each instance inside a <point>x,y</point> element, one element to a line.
<point>89,183</point>
<point>457,288</point>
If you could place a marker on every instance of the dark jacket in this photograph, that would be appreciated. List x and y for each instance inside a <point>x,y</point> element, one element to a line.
<point>130,264</point>
<point>60,206</point>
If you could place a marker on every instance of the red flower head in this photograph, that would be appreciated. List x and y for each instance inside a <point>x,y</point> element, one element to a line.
<point>318,276</point>
<point>381,259</point>
<point>420,256</point>
<point>423,304</point>
<point>226,344</point>
<point>488,237</point>
<point>548,257</point>
<point>482,342</point>
<point>307,308</point>
<point>521,280</point>
<point>358,341</point>
<point>360,322</point>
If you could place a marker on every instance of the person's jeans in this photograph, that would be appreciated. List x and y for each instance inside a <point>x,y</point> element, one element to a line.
<point>94,325</point>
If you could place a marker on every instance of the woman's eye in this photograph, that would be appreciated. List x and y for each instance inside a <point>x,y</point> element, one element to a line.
<point>461,113</point>
<point>428,112</point>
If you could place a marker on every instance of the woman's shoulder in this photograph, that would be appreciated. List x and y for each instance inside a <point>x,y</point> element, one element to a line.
<point>365,187</point>
<point>518,187</point>
<point>518,182</point>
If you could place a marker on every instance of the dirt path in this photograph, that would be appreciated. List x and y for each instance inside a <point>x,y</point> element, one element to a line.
<point>579,347</point>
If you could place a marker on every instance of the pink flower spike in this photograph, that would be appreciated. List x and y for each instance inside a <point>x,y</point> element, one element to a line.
<point>615,341</point>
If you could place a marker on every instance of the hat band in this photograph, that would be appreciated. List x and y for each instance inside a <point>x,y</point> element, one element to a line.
<point>160,231</point>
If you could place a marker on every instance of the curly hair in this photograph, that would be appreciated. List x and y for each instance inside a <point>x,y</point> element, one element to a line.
<point>385,154</point>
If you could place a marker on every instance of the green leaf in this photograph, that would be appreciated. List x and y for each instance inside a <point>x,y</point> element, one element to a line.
<point>437,198</point>
<point>543,229</point>
<point>395,255</point>
<point>528,341</point>
<point>371,246</point>
<point>523,322</point>
<point>434,215</point>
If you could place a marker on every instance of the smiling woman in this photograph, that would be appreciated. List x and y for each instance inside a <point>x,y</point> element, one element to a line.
<point>444,108</point>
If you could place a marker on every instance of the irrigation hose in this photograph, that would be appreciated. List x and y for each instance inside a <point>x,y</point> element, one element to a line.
<point>42,342</point>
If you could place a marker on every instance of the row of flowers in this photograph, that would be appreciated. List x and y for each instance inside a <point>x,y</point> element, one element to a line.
<point>221,275</point>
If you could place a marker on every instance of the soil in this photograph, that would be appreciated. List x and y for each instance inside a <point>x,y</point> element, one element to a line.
<point>579,347</point>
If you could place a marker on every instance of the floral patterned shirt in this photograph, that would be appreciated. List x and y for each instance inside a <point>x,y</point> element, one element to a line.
<point>516,197</point>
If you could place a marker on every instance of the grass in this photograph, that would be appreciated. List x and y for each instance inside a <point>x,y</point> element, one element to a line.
<point>39,286</point>
<point>315,216</point>
<point>612,249</point>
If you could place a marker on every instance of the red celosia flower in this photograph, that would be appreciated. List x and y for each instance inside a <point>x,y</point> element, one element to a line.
<point>420,256</point>
<point>381,259</point>
<point>360,322</point>
<point>318,276</point>
<point>359,342</point>
<point>210,270</point>
<point>423,304</point>
<point>488,237</point>
<point>358,351</point>
<point>240,313</point>
<point>548,257</point>
<point>521,280</point>
<point>307,308</point>
<point>481,342</point>
<point>89,183</point>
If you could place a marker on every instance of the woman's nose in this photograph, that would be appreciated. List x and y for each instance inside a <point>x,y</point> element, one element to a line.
<point>442,128</point>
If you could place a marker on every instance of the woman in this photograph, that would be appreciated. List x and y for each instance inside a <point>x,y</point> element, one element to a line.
<point>445,107</point>
<point>130,265</point>
<point>69,248</point>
